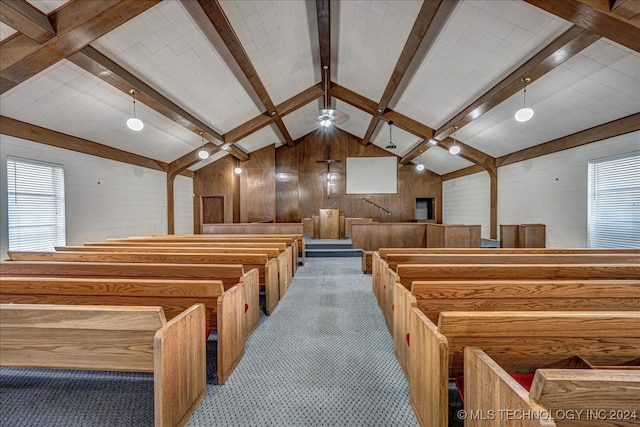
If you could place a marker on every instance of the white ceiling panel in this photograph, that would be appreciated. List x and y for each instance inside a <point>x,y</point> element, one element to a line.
<point>440,161</point>
<point>67,99</point>
<point>357,122</point>
<point>481,43</point>
<point>302,121</point>
<point>281,40</point>
<point>403,140</point>
<point>167,49</point>
<point>5,31</point>
<point>371,35</point>
<point>599,85</point>
<point>48,6</point>
<point>212,158</point>
<point>262,138</point>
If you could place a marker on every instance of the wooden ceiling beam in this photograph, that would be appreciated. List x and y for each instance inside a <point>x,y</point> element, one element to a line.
<point>428,24</point>
<point>111,72</point>
<point>215,14</point>
<point>26,19</point>
<point>78,24</point>
<point>412,126</point>
<point>603,22</point>
<point>628,9</point>
<point>597,133</point>
<point>286,107</point>
<point>565,46</point>
<point>19,129</point>
<point>323,13</point>
<point>462,172</point>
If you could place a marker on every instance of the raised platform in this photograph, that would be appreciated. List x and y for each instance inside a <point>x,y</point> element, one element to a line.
<point>325,248</point>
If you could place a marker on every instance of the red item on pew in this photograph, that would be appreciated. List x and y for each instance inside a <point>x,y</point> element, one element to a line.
<point>524,380</point>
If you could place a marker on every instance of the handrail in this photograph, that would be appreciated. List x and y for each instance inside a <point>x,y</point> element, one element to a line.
<point>377,206</point>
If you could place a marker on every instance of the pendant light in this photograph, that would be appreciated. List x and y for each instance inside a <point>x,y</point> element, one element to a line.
<point>454,149</point>
<point>203,154</point>
<point>134,123</point>
<point>237,170</point>
<point>391,145</point>
<point>525,113</point>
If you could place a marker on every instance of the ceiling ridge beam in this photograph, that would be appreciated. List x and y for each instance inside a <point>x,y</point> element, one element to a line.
<point>562,48</point>
<point>608,130</point>
<point>412,126</point>
<point>30,132</point>
<point>429,22</point>
<point>323,15</point>
<point>605,23</point>
<point>27,19</point>
<point>78,24</point>
<point>214,12</point>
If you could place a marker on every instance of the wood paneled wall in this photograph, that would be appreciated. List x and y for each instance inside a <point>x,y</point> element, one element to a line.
<point>287,184</point>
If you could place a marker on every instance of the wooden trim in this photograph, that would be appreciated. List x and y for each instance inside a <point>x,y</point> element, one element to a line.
<point>598,133</point>
<point>603,22</point>
<point>22,16</point>
<point>78,23</point>
<point>284,132</point>
<point>462,172</point>
<point>417,150</point>
<point>39,134</point>
<point>565,46</point>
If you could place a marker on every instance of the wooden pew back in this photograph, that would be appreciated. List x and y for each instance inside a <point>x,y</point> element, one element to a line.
<point>114,338</point>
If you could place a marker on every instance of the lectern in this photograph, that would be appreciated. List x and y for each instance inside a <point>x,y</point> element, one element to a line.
<point>327,224</point>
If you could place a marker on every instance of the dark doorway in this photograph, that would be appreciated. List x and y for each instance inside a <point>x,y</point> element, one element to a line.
<point>425,208</point>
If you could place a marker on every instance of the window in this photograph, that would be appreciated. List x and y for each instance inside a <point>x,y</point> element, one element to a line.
<point>35,198</point>
<point>614,202</point>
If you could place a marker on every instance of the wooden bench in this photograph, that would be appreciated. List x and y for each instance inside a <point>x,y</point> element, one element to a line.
<point>518,341</point>
<point>434,297</point>
<point>283,259</point>
<point>507,268</point>
<point>230,275</point>
<point>114,338</point>
<point>556,398</point>
<point>380,264</point>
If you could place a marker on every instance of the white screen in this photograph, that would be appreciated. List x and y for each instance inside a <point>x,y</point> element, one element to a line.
<point>372,175</point>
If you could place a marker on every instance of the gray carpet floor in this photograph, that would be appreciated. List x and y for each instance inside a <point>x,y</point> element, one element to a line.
<point>323,358</point>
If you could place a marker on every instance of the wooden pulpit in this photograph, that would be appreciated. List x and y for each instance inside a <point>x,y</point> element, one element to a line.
<point>327,224</point>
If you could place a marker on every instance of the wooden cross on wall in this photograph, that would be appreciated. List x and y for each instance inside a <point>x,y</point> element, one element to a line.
<point>328,160</point>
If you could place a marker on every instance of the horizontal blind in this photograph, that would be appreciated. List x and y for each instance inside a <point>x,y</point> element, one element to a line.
<point>35,196</point>
<point>614,202</point>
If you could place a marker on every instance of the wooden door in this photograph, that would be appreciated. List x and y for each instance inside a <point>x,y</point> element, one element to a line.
<point>212,210</point>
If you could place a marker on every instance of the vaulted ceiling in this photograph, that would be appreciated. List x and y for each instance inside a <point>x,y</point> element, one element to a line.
<point>236,76</point>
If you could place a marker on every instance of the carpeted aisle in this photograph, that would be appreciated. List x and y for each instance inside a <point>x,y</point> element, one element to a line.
<point>323,358</point>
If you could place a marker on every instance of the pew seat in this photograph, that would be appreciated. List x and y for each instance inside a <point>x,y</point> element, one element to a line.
<point>114,338</point>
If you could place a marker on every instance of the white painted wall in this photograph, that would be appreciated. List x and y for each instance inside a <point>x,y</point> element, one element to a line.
<point>551,190</point>
<point>467,200</point>
<point>104,198</point>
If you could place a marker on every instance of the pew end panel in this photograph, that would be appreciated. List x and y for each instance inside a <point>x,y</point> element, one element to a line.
<point>428,371</point>
<point>251,280</point>
<point>489,391</point>
<point>232,336</point>
<point>403,303</point>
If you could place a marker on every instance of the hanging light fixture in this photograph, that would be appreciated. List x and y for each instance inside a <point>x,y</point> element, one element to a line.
<point>454,149</point>
<point>327,116</point>
<point>525,113</point>
<point>391,145</point>
<point>203,154</point>
<point>420,167</point>
<point>237,170</point>
<point>134,123</point>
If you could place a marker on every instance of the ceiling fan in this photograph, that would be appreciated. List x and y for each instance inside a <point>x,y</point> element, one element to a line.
<point>327,116</point>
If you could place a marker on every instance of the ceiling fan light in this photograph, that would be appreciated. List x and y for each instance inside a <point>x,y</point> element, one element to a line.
<point>524,114</point>
<point>135,124</point>
<point>454,149</point>
<point>325,123</point>
<point>203,154</point>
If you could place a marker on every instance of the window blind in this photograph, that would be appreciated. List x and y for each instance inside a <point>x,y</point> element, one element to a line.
<point>35,196</point>
<point>614,202</point>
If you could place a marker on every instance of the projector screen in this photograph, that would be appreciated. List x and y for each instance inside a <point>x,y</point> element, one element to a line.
<point>372,175</point>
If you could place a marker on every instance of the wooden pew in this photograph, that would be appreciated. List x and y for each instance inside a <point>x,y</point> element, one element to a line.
<point>434,297</point>
<point>518,341</point>
<point>557,397</point>
<point>269,275</point>
<point>230,275</point>
<point>596,266</point>
<point>283,259</point>
<point>114,338</point>
<point>379,258</point>
<point>224,310</point>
